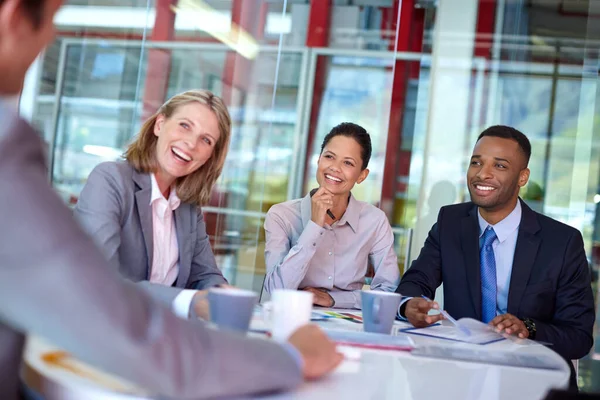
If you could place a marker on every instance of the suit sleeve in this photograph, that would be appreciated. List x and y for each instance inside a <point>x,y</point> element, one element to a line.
<point>571,329</point>
<point>55,283</point>
<point>98,211</point>
<point>425,274</point>
<point>204,272</point>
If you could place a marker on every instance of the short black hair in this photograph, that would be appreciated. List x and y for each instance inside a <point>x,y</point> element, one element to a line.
<point>355,132</point>
<point>34,9</point>
<point>507,132</point>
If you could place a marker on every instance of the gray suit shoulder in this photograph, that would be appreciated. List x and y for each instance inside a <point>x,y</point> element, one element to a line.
<point>114,168</point>
<point>118,173</point>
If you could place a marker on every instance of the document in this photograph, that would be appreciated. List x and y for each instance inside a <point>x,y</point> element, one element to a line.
<point>506,358</point>
<point>473,331</point>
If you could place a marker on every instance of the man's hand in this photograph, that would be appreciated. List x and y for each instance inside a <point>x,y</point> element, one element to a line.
<point>225,286</point>
<point>319,354</point>
<point>200,305</point>
<point>511,325</point>
<point>321,297</point>
<point>417,309</point>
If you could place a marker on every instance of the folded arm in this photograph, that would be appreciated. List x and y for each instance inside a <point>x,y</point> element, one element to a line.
<point>287,265</point>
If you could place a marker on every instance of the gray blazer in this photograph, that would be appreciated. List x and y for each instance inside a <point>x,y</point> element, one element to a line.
<point>55,283</point>
<point>114,209</point>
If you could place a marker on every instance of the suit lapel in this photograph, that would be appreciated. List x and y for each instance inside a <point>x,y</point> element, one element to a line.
<point>183,227</point>
<point>525,252</point>
<point>470,248</point>
<point>142,201</point>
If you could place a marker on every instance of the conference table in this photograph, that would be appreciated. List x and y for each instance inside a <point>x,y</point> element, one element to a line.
<point>366,373</point>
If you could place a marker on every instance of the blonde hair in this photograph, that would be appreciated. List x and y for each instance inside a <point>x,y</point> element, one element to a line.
<point>196,187</point>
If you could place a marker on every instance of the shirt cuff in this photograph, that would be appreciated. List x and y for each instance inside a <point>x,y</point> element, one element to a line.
<point>400,316</point>
<point>295,355</point>
<point>182,303</point>
<point>310,235</point>
<point>345,299</point>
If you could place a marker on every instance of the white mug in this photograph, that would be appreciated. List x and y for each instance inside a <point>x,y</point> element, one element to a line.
<point>287,311</point>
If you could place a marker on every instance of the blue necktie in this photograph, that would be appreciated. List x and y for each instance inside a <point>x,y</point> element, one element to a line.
<point>487,264</point>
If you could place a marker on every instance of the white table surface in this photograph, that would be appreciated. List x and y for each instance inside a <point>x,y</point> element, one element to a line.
<point>371,374</point>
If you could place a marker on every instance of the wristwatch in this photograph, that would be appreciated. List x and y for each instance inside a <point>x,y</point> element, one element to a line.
<point>530,325</point>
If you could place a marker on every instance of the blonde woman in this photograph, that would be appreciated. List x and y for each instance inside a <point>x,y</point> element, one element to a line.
<point>144,213</point>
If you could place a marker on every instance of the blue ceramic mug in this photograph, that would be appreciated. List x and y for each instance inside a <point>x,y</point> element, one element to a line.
<point>379,310</point>
<point>231,308</point>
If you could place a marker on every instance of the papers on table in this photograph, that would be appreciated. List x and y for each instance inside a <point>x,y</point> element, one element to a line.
<point>478,332</point>
<point>371,340</point>
<point>328,314</point>
<point>513,359</point>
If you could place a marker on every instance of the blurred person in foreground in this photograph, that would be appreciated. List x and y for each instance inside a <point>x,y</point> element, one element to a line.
<point>56,284</point>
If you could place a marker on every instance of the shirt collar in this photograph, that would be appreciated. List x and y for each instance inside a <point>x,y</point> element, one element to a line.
<point>505,227</point>
<point>351,216</point>
<point>156,194</point>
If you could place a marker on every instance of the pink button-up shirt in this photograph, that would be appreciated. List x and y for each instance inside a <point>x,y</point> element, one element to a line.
<point>165,256</point>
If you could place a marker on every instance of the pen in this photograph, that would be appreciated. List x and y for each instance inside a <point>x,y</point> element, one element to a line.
<point>463,329</point>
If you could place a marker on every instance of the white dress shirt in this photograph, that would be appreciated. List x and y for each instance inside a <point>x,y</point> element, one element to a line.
<point>165,256</point>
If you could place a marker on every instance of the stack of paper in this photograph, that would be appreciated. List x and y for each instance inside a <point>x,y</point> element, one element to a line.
<point>469,331</point>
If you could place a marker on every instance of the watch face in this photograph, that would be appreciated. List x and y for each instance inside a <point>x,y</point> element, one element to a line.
<point>530,325</point>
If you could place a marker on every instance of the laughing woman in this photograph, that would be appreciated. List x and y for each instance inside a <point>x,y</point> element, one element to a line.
<point>144,213</point>
<point>325,241</point>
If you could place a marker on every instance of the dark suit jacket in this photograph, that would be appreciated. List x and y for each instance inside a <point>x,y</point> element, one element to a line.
<point>114,209</point>
<point>550,281</point>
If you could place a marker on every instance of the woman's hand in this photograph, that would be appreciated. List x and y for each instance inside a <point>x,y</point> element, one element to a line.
<point>321,201</point>
<point>321,297</point>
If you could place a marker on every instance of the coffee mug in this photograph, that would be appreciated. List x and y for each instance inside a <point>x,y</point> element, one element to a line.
<point>379,310</point>
<point>231,308</point>
<point>287,311</point>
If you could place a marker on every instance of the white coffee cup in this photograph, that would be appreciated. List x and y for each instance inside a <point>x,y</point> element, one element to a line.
<point>287,311</point>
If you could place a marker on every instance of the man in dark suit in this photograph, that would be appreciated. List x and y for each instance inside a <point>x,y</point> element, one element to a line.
<point>502,263</point>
